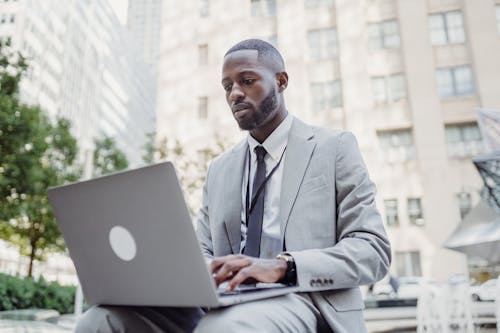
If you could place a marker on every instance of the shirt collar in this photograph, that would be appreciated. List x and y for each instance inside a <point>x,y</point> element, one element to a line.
<point>276,142</point>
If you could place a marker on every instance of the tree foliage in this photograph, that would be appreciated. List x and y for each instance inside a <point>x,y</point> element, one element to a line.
<point>149,148</point>
<point>35,154</point>
<point>12,67</point>
<point>107,157</point>
<point>17,293</point>
<point>191,166</point>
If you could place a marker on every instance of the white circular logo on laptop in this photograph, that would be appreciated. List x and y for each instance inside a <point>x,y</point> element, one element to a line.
<point>123,243</point>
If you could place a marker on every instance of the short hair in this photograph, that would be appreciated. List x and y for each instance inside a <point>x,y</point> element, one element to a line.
<point>266,52</point>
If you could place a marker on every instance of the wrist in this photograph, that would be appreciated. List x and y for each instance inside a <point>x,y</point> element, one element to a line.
<point>281,268</point>
<point>290,275</point>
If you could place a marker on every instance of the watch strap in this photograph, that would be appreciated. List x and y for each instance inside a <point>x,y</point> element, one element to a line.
<point>290,277</point>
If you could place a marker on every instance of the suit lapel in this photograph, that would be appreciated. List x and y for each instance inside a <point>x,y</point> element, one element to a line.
<point>233,176</point>
<point>298,154</point>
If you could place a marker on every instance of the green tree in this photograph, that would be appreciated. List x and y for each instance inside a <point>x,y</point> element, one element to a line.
<point>191,166</point>
<point>35,154</point>
<point>149,148</point>
<point>12,67</point>
<point>107,157</point>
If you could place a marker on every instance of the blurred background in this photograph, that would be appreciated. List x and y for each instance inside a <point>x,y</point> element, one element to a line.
<point>90,87</point>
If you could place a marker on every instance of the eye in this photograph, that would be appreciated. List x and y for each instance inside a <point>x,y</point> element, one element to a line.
<point>248,81</point>
<point>227,86</point>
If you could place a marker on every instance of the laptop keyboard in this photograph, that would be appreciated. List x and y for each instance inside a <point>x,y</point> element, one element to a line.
<point>247,288</point>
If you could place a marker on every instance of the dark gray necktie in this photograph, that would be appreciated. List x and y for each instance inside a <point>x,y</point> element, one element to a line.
<point>254,230</point>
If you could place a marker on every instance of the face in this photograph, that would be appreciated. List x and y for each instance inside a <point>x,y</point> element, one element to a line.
<point>251,90</point>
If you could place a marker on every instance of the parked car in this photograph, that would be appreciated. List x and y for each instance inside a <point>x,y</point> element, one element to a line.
<point>408,288</point>
<point>383,289</point>
<point>484,292</point>
<point>411,286</point>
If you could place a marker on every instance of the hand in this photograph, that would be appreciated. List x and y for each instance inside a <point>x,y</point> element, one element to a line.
<point>238,269</point>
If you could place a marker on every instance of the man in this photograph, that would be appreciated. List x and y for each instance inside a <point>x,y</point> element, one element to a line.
<point>291,203</point>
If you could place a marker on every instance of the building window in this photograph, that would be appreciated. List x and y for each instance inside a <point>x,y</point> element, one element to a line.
<point>204,8</point>
<point>318,3</point>
<point>203,54</point>
<point>447,28</point>
<point>463,140</point>
<point>12,18</point>
<point>322,43</point>
<point>498,17</point>
<point>203,107</point>
<point>388,89</point>
<point>408,264</point>
<point>455,81</point>
<point>379,86</point>
<point>326,95</point>
<point>383,35</point>
<point>263,7</point>
<point>3,18</point>
<point>397,145</point>
<point>464,203</point>
<point>415,214</point>
<point>391,212</point>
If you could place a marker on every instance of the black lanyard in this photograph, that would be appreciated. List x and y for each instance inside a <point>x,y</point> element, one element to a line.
<point>248,209</point>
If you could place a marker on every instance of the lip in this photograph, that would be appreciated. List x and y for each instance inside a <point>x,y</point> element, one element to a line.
<point>241,113</point>
<point>240,107</point>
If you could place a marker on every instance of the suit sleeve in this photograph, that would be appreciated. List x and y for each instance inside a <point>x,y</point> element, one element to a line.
<point>203,222</point>
<point>362,253</point>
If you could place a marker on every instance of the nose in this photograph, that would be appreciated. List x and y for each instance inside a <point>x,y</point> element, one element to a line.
<point>236,93</point>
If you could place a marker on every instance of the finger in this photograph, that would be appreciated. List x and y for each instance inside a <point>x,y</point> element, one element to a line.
<point>239,278</point>
<point>229,269</point>
<point>219,261</point>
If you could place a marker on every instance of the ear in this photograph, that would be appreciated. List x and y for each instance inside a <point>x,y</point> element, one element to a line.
<point>282,81</point>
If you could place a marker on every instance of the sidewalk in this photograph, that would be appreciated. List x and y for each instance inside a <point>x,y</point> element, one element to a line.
<point>23,326</point>
<point>35,321</point>
<point>378,320</point>
<point>404,319</point>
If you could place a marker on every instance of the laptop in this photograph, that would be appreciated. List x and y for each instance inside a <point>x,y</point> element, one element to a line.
<point>132,241</point>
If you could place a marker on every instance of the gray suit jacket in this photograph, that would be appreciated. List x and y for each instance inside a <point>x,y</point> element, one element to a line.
<point>329,221</point>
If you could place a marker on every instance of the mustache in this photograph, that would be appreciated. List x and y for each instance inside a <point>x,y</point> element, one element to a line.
<point>240,106</point>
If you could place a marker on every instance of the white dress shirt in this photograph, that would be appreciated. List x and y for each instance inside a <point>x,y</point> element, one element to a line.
<point>275,145</point>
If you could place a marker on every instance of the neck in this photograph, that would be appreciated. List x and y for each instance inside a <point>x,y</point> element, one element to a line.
<point>262,133</point>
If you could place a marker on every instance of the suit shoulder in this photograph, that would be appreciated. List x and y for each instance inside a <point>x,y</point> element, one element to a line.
<point>220,159</point>
<point>327,135</point>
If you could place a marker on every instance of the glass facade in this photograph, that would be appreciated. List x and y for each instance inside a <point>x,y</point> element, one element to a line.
<point>391,212</point>
<point>408,263</point>
<point>322,43</point>
<point>455,81</point>
<point>388,89</point>
<point>263,7</point>
<point>397,145</point>
<point>203,54</point>
<point>415,214</point>
<point>318,3</point>
<point>204,8</point>
<point>326,95</point>
<point>447,28</point>
<point>383,35</point>
<point>203,107</point>
<point>463,140</point>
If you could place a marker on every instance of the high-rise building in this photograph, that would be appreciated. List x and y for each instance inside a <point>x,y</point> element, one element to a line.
<point>144,22</point>
<point>404,76</point>
<point>84,67</point>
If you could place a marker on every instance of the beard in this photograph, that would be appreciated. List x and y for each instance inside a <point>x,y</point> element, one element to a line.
<point>266,107</point>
